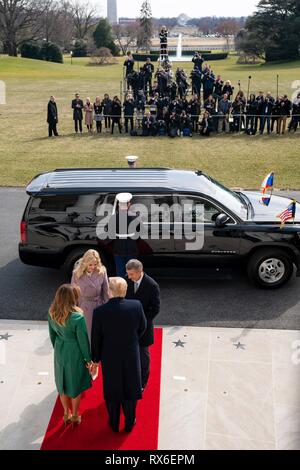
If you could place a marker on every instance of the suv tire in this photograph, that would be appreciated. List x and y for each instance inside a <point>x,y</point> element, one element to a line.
<point>270,268</point>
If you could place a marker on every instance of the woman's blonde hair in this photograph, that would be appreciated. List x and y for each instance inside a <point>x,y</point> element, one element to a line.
<point>64,304</point>
<point>91,256</point>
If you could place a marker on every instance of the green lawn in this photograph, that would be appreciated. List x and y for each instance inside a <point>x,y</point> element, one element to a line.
<point>25,149</point>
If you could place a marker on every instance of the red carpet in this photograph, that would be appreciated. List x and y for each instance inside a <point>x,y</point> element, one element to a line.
<point>94,432</point>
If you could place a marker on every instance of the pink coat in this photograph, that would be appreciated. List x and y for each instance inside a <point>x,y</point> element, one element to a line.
<point>94,292</point>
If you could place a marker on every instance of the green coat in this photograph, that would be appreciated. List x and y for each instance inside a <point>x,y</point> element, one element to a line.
<point>71,353</point>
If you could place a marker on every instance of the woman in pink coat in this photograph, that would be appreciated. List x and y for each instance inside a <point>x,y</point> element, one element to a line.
<point>89,109</point>
<point>91,277</point>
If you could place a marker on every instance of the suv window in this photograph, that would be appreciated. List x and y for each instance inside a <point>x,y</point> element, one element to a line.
<point>192,206</point>
<point>68,208</point>
<point>151,203</point>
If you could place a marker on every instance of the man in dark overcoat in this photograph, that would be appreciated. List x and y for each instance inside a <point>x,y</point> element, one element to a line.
<point>143,288</point>
<point>77,106</point>
<point>117,328</point>
<point>52,117</point>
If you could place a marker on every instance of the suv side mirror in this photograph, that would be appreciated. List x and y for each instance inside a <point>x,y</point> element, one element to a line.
<point>222,220</point>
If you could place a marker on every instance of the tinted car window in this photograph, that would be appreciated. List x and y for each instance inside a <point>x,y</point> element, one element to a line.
<point>75,209</point>
<point>192,208</point>
<point>156,208</point>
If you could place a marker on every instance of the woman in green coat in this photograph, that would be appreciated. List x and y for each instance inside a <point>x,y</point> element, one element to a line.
<point>72,355</point>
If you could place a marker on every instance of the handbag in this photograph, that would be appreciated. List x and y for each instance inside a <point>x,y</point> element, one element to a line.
<point>98,117</point>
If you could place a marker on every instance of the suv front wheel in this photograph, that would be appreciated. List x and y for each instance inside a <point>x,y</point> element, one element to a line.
<point>270,269</point>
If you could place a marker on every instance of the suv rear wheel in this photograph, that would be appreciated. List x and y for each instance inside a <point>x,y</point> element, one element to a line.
<point>270,269</point>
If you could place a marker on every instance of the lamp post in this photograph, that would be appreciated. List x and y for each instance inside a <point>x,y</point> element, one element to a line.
<point>71,53</point>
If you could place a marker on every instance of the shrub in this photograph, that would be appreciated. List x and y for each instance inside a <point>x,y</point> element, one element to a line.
<point>30,50</point>
<point>51,52</point>
<point>102,56</point>
<point>80,48</point>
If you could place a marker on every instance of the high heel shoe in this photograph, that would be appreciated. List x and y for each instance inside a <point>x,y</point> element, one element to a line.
<point>75,420</point>
<point>67,419</point>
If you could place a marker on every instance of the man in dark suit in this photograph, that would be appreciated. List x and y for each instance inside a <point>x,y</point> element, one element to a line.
<point>52,117</point>
<point>143,288</point>
<point>77,106</point>
<point>117,327</point>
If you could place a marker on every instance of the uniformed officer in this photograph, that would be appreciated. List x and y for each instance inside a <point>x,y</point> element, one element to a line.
<point>132,161</point>
<point>124,247</point>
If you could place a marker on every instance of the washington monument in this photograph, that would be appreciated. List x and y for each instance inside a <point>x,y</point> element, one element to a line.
<point>112,14</point>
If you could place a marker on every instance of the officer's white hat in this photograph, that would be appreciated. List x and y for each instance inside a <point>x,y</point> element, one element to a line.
<point>131,159</point>
<point>124,199</point>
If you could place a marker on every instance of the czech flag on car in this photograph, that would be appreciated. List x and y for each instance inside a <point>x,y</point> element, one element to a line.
<point>267,189</point>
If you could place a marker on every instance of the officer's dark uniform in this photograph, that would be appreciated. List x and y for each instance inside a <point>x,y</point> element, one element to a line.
<point>124,247</point>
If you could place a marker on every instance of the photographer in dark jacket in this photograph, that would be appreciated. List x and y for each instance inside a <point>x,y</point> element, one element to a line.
<point>228,89</point>
<point>106,104</point>
<point>129,66</point>
<point>148,69</point>
<point>295,114</point>
<point>198,61</point>
<point>143,288</point>
<point>196,77</point>
<point>148,125</point>
<point>163,37</point>
<point>194,111</point>
<point>185,125</point>
<point>251,112</point>
<point>206,126</point>
<point>218,87</point>
<point>52,117</point>
<point>116,113</point>
<point>265,110</point>
<point>128,107</point>
<point>284,113</point>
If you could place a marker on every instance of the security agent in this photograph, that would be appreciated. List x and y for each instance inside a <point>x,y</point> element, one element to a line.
<point>198,61</point>
<point>124,246</point>
<point>143,288</point>
<point>132,161</point>
<point>148,69</point>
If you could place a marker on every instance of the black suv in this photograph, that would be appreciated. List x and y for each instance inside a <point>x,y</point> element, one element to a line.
<point>61,216</point>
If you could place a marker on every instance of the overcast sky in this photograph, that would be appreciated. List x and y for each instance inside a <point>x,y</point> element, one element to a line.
<point>193,8</point>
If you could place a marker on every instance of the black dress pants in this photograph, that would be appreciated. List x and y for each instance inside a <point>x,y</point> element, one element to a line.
<point>78,123</point>
<point>145,365</point>
<point>114,410</point>
<point>52,129</point>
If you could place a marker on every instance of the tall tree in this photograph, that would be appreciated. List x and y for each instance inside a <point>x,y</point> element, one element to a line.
<point>126,36</point>
<point>146,26</point>
<point>19,22</point>
<point>83,17</point>
<point>103,36</point>
<point>275,29</point>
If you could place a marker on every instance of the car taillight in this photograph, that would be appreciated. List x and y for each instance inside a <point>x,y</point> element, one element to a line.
<point>23,228</point>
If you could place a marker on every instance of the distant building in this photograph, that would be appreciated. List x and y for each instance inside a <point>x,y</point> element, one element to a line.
<point>127,21</point>
<point>182,19</point>
<point>112,13</point>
